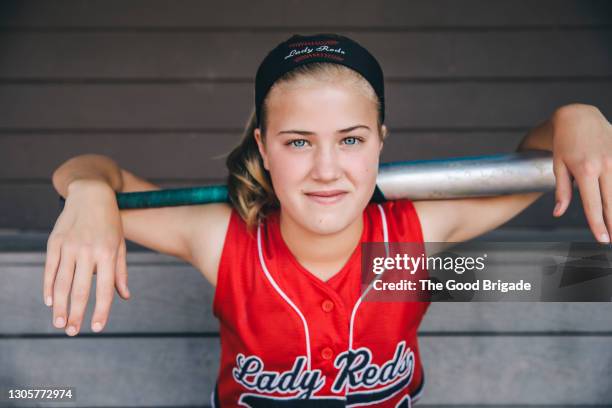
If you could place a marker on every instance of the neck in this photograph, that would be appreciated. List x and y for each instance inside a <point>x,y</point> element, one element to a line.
<point>316,249</point>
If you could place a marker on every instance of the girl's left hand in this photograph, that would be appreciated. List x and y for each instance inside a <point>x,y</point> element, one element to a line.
<point>582,149</point>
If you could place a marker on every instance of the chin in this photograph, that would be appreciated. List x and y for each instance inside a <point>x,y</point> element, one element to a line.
<point>326,226</point>
<point>325,223</point>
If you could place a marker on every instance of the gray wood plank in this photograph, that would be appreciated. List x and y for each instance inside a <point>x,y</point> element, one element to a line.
<point>212,55</point>
<point>165,298</point>
<point>169,296</point>
<point>329,15</point>
<point>36,207</point>
<point>210,106</point>
<point>197,155</point>
<point>180,371</point>
<point>537,370</point>
<point>116,372</point>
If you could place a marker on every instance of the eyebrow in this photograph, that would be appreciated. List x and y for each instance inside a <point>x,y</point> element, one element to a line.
<point>307,133</point>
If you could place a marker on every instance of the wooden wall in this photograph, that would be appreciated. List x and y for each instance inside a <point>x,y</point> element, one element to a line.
<point>164,86</point>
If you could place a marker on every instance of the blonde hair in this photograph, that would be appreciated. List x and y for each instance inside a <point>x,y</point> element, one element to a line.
<point>249,185</point>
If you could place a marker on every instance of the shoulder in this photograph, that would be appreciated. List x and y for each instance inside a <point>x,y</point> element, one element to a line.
<point>213,217</point>
<point>210,226</point>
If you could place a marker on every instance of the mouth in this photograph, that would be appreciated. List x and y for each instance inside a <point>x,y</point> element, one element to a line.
<point>327,197</point>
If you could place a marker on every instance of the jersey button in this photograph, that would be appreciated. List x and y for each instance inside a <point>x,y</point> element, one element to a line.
<point>327,353</point>
<point>327,305</point>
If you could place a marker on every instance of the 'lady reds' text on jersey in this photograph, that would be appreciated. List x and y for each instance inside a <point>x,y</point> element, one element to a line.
<point>290,339</point>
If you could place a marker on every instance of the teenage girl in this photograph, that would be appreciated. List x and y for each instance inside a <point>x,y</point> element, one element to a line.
<point>284,255</point>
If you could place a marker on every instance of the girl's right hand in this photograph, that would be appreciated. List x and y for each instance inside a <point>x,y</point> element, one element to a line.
<point>87,238</point>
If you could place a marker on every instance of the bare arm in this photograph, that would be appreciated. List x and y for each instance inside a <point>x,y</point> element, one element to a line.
<point>459,220</point>
<point>165,230</point>
<point>90,234</point>
<point>193,233</point>
<point>87,167</point>
<point>580,138</point>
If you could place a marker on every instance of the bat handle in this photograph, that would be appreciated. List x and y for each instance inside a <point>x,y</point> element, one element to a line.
<point>170,197</point>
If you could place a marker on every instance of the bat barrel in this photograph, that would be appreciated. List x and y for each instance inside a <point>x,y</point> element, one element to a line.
<point>467,176</point>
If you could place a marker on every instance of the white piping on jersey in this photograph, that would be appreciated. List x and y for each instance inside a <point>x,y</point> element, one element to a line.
<point>297,310</point>
<point>283,295</point>
<point>386,241</point>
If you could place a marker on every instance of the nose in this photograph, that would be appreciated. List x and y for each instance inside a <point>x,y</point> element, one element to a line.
<point>326,164</point>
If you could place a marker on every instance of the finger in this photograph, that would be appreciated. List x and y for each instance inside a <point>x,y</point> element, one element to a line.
<point>61,288</point>
<point>591,202</point>
<point>121,278</point>
<point>605,185</point>
<point>105,288</point>
<point>563,189</point>
<point>51,264</point>
<point>81,285</point>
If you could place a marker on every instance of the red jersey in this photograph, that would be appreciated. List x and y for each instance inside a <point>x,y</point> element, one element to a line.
<point>291,339</point>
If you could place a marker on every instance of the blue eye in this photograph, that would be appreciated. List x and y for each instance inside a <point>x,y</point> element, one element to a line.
<point>292,142</point>
<point>355,139</point>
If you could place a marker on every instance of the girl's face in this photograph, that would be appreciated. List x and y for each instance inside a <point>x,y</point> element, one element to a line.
<point>321,140</point>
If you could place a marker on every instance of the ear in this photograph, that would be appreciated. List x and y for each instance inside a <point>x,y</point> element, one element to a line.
<point>384,133</point>
<point>261,147</point>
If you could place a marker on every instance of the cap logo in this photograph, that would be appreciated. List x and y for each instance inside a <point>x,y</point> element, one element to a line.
<point>321,51</point>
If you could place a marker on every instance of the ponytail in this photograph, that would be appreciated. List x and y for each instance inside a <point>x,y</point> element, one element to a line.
<point>249,185</point>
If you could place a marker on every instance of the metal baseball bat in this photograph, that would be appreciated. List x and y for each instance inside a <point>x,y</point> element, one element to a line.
<point>471,176</point>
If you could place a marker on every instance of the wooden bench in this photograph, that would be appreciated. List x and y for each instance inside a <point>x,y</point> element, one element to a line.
<point>161,348</point>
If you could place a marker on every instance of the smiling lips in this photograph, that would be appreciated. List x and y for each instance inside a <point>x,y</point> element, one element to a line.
<point>327,197</point>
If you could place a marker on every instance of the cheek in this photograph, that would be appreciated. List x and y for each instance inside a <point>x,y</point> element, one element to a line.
<point>286,171</point>
<point>365,168</point>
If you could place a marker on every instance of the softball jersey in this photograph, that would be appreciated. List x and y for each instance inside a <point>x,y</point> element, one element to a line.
<point>290,339</point>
